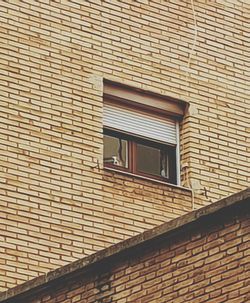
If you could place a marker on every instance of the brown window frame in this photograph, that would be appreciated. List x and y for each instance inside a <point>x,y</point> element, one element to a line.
<point>132,155</point>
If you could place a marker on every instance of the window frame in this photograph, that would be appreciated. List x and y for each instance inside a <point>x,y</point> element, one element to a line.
<point>132,156</point>
<point>152,103</point>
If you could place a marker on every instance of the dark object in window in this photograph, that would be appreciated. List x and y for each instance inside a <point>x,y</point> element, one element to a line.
<point>139,156</point>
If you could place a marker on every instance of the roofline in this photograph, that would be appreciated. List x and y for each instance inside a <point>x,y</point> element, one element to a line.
<point>169,228</point>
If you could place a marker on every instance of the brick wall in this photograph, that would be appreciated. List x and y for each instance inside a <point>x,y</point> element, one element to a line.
<point>56,202</point>
<point>205,262</point>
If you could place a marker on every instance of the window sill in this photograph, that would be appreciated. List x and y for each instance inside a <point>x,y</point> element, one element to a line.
<point>146,178</point>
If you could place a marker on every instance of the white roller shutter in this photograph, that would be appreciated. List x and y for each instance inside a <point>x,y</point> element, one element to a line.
<point>140,124</point>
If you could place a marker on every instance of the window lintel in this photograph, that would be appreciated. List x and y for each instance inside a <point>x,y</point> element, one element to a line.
<point>115,92</point>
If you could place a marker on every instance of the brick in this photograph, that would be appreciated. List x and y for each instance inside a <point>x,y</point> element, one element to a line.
<point>51,114</point>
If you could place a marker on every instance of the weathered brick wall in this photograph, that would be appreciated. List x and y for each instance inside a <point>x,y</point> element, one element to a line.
<point>209,263</point>
<point>56,202</point>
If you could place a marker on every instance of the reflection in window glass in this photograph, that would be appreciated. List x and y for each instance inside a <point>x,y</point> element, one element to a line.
<point>151,160</point>
<point>115,151</point>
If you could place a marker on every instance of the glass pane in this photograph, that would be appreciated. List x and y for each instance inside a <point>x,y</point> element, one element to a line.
<point>151,160</point>
<point>115,151</point>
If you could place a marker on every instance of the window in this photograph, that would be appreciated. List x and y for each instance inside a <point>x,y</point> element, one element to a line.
<point>141,133</point>
<point>139,156</point>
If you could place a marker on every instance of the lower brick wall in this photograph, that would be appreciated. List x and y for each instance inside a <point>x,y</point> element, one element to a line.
<point>207,263</point>
<point>41,235</point>
<point>138,204</point>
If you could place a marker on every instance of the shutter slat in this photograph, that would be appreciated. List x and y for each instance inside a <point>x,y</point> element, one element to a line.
<point>140,124</point>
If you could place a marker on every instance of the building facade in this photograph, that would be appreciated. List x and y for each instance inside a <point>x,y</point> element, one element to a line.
<point>184,62</point>
<point>202,256</point>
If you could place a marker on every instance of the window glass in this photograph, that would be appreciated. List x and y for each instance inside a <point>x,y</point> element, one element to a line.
<point>115,151</point>
<point>139,156</point>
<point>151,160</point>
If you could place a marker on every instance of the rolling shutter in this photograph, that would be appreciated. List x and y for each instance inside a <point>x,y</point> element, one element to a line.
<point>140,124</point>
